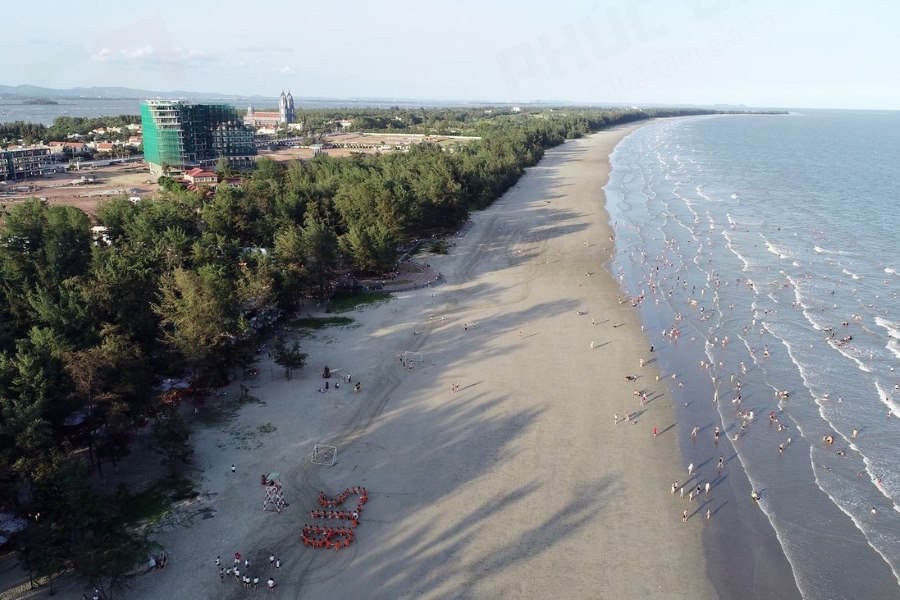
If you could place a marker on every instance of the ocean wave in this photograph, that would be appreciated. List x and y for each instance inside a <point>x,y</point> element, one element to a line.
<point>887,398</point>
<point>845,351</point>
<point>779,252</point>
<point>893,331</point>
<point>879,483</point>
<point>779,534</point>
<point>893,347</point>
<point>805,308</point>
<point>821,250</point>
<point>733,249</point>
<point>873,539</point>
<point>704,195</point>
<point>850,273</point>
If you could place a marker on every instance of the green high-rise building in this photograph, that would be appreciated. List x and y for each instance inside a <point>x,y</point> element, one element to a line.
<point>179,135</point>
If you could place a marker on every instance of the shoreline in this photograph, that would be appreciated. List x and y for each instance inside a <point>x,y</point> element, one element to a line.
<point>765,568</point>
<point>821,513</point>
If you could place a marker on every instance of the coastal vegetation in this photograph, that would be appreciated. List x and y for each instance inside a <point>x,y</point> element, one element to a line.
<point>65,127</point>
<point>187,285</point>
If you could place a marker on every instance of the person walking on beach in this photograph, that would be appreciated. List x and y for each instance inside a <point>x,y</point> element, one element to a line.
<point>708,514</point>
<point>674,487</point>
<point>695,431</point>
<point>616,419</point>
<point>708,486</point>
<point>684,516</point>
<point>721,464</point>
<point>655,431</point>
<point>691,469</point>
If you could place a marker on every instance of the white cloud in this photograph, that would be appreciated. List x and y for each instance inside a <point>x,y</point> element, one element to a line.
<point>102,55</point>
<point>286,70</point>
<point>146,55</point>
<point>136,54</point>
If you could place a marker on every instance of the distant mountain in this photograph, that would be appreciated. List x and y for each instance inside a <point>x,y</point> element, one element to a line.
<point>117,93</point>
<point>108,93</point>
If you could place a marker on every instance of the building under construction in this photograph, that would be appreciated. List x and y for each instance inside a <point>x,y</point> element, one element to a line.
<point>179,135</point>
<point>25,162</point>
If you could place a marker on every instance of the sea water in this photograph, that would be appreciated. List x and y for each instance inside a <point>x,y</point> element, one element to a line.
<point>13,109</point>
<point>768,244</point>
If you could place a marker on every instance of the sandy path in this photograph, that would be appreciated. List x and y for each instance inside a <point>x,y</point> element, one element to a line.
<point>517,486</point>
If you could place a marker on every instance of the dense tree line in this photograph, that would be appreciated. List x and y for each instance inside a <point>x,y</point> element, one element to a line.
<point>185,282</point>
<point>63,126</point>
<point>464,121</point>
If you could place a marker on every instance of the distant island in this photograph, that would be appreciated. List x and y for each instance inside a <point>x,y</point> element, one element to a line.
<point>40,101</point>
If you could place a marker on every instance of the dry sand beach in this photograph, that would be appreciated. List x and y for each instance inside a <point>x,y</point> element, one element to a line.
<point>520,484</point>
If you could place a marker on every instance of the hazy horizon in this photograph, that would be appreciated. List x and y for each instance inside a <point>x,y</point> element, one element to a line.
<point>686,52</point>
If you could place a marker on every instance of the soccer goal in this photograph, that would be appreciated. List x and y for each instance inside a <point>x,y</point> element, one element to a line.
<point>324,455</point>
<point>412,358</point>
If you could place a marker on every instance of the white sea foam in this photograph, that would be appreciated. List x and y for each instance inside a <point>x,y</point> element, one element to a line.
<point>821,250</point>
<point>879,483</point>
<point>776,250</point>
<point>729,243</point>
<point>703,194</point>
<point>893,331</point>
<point>887,398</point>
<point>805,307</point>
<point>867,532</point>
<point>785,545</point>
<point>850,273</point>
<point>847,351</point>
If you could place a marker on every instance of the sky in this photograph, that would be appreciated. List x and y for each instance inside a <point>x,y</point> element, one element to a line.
<point>760,53</point>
